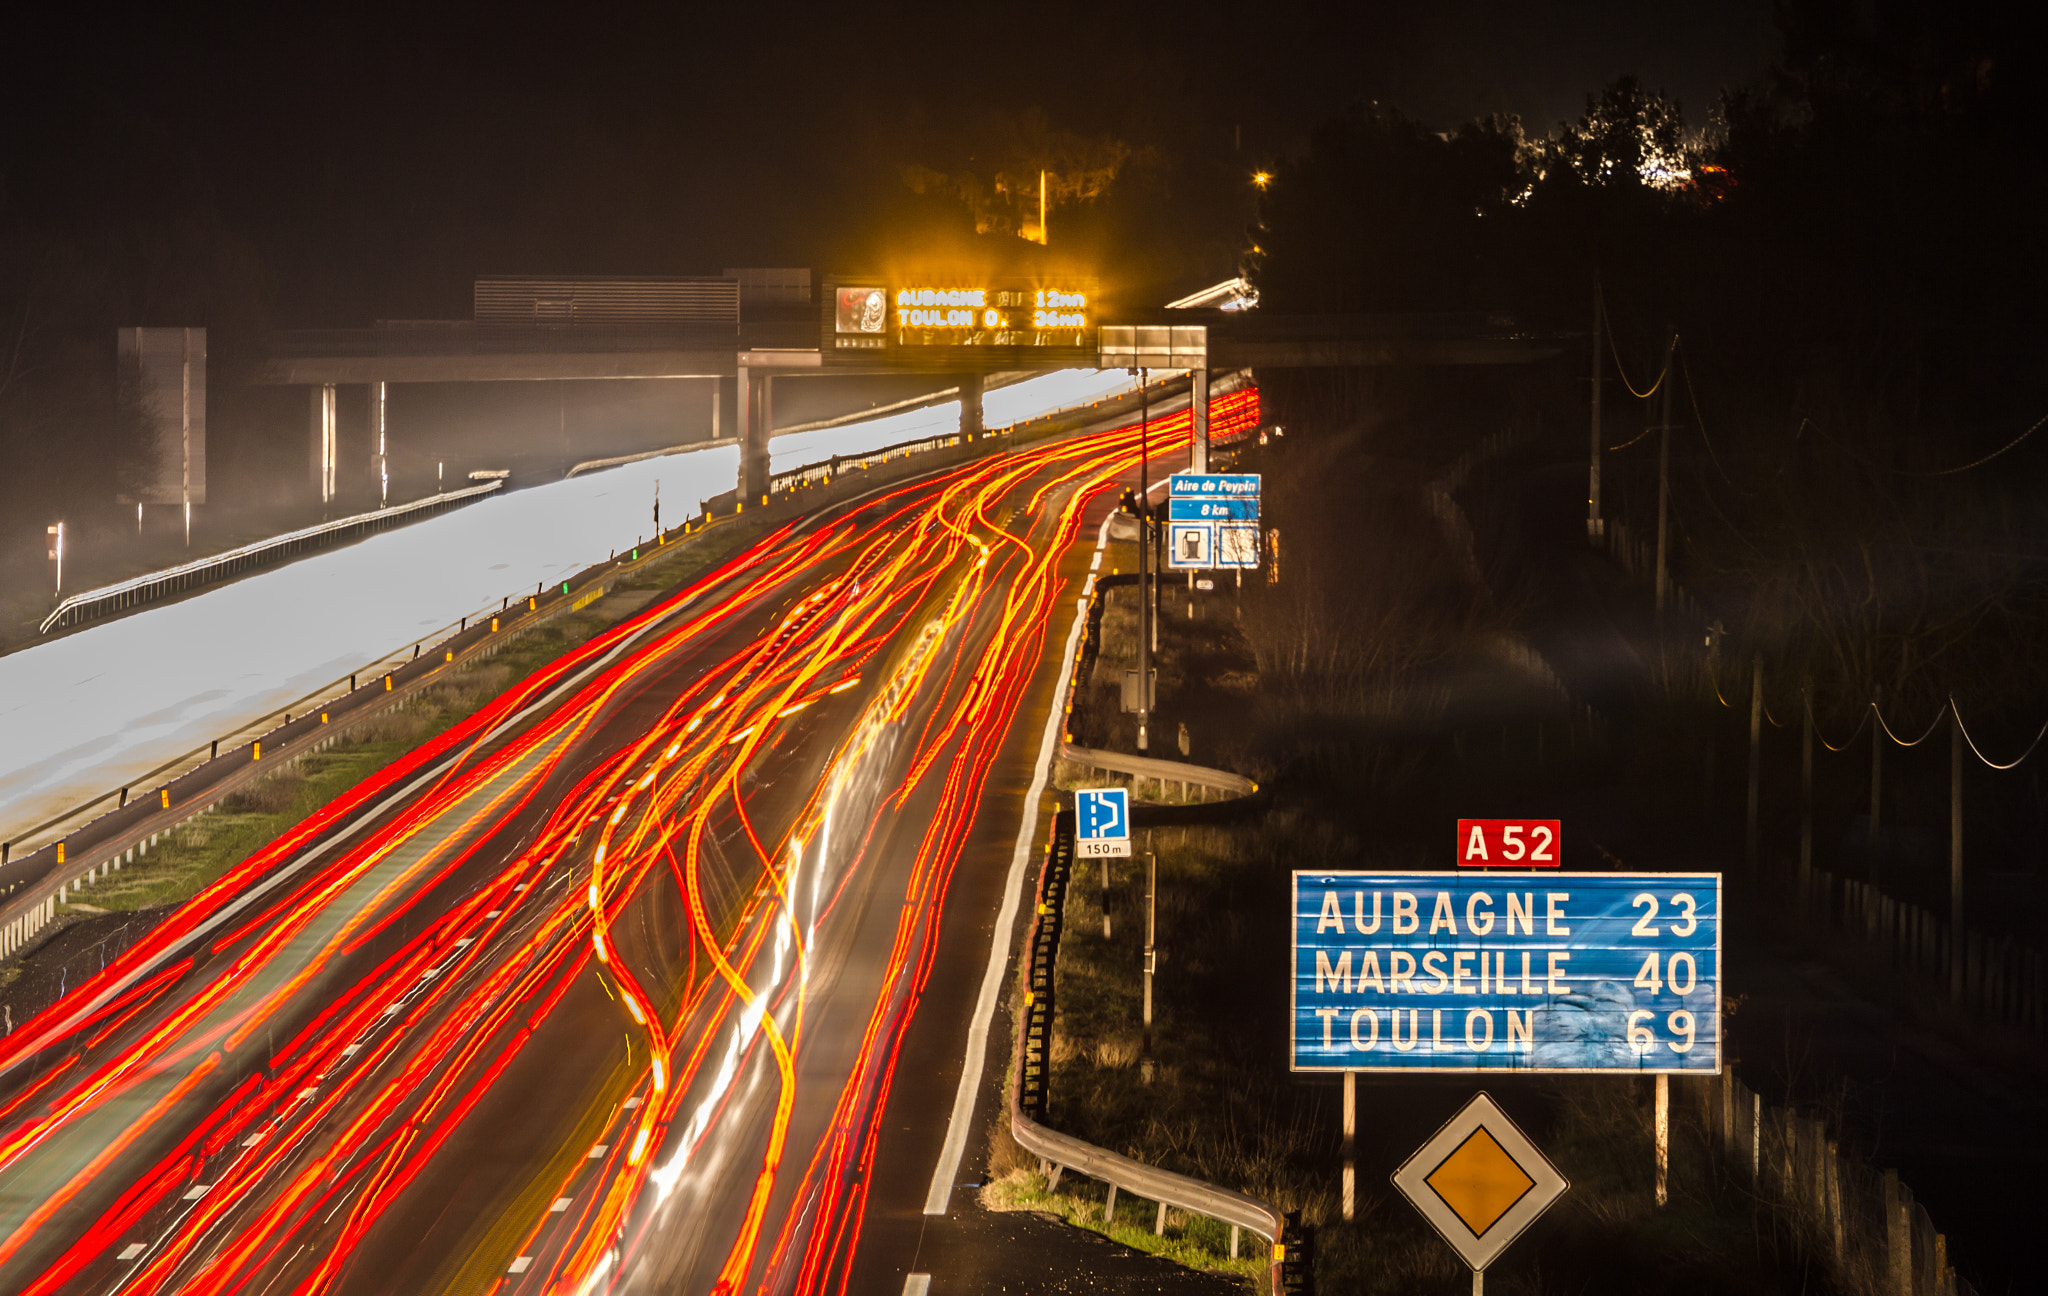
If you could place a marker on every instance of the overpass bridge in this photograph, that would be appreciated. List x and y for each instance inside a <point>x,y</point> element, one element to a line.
<point>746,328</point>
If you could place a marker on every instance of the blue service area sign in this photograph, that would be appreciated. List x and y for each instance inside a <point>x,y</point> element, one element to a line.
<point>1213,510</point>
<point>1538,971</point>
<point>1212,521</point>
<point>1102,822</point>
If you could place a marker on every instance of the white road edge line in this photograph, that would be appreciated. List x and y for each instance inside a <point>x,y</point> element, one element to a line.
<point>937,1200</point>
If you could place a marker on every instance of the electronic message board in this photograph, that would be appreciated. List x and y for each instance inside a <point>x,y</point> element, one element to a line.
<point>1500,971</point>
<point>956,316</point>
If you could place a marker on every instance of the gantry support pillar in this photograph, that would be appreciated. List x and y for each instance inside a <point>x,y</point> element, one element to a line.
<point>380,454</point>
<point>325,443</point>
<point>1198,460</point>
<point>970,407</point>
<point>756,417</point>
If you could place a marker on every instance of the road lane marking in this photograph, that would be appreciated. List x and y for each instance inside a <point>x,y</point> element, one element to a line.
<point>131,1251</point>
<point>937,1199</point>
<point>519,1264</point>
<point>561,1204</point>
<point>916,1284</point>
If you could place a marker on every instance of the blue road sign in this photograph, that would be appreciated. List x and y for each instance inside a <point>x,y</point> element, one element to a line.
<point>1190,546</point>
<point>1213,486</point>
<point>1213,520</point>
<point>1537,971</point>
<point>1102,818</point>
<point>1213,510</point>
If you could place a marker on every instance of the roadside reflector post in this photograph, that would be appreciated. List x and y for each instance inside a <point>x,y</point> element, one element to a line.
<point>1663,1138</point>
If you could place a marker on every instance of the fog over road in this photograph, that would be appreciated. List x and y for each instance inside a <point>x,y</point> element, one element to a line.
<point>100,708</point>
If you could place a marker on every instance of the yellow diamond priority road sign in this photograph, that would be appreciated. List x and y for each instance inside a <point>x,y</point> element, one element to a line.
<point>1480,1182</point>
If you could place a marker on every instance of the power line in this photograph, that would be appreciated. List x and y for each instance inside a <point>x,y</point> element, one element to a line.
<point>1986,759</point>
<point>1622,373</point>
<point>1917,741</point>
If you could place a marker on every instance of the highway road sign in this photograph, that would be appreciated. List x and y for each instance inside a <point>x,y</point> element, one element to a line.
<point>1213,510</point>
<point>1509,843</point>
<point>1525,971</point>
<point>1237,545</point>
<point>1103,821</point>
<point>1191,546</point>
<point>1480,1182</point>
<point>1213,520</point>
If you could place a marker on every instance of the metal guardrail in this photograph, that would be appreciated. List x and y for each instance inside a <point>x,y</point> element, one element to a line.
<point>1141,768</point>
<point>598,465</point>
<point>1029,1094</point>
<point>826,470</point>
<point>150,586</point>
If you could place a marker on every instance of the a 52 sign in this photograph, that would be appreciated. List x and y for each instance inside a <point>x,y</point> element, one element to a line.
<point>1509,843</point>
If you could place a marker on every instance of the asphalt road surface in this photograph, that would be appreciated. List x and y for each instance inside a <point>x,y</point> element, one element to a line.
<point>609,988</point>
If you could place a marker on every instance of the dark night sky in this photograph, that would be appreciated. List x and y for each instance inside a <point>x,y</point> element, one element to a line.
<point>377,157</point>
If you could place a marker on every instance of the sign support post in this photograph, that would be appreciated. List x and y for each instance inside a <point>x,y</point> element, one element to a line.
<point>1350,1144</point>
<point>1144,597</point>
<point>1663,1138</point>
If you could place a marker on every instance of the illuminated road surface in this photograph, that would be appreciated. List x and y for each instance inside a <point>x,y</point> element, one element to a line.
<point>602,990</point>
<point>102,707</point>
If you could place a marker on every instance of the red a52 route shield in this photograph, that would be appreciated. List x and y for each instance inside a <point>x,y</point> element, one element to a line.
<point>1509,843</point>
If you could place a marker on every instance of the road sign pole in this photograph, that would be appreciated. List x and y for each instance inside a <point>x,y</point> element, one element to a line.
<point>1151,948</point>
<point>1105,897</point>
<point>1350,1144</point>
<point>1144,604</point>
<point>1663,1138</point>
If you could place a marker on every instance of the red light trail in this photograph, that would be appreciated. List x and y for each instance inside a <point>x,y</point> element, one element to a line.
<point>634,880</point>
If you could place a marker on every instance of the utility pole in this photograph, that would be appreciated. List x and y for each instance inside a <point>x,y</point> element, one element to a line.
<point>1593,526</point>
<point>1144,610</point>
<point>1756,754</point>
<point>1664,482</point>
<point>1957,941</point>
<point>1806,792</point>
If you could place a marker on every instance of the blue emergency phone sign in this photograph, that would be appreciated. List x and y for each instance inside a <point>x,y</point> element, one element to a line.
<point>1102,822</point>
<point>1525,971</point>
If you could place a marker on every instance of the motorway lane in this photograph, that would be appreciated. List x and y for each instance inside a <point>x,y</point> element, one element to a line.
<point>484,1074</point>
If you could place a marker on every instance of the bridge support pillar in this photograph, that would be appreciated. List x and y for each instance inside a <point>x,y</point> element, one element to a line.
<point>970,407</point>
<point>380,461</point>
<point>1199,460</point>
<point>324,442</point>
<point>756,419</point>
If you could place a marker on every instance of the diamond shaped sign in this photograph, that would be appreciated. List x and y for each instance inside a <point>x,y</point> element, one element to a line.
<point>1480,1181</point>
